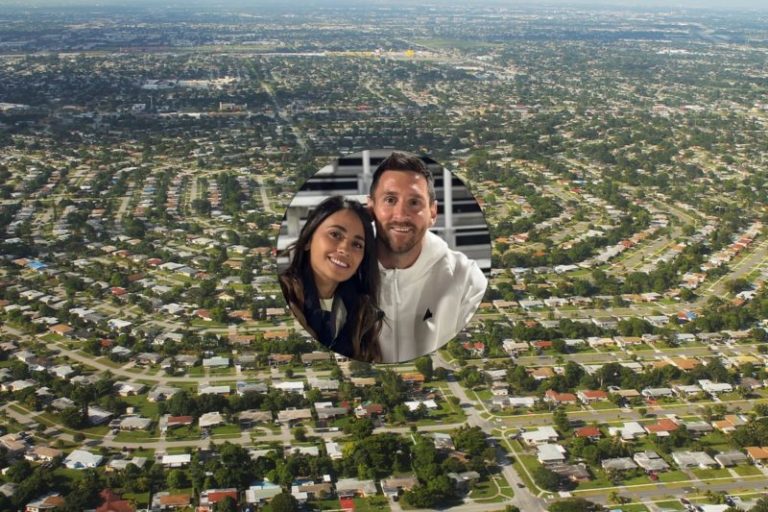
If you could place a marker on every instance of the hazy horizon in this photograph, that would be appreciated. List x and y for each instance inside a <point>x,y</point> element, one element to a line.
<point>304,4</point>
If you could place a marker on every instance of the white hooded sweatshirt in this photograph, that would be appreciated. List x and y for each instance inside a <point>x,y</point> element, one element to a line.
<point>428,303</point>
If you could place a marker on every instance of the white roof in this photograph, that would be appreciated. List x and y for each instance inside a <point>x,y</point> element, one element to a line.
<point>333,449</point>
<point>181,458</point>
<point>414,404</point>
<point>543,434</point>
<point>290,385</point>
<point>550,452</point>
<point>211,419</point>
<point>81,459</point>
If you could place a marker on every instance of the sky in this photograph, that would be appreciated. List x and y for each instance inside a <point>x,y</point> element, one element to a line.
<point>708,4</point>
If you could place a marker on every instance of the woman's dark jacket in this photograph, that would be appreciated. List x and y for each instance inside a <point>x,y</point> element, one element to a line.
<point>362,314</point>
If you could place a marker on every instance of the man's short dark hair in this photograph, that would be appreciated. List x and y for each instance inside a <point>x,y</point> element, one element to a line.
<point>403,162</point>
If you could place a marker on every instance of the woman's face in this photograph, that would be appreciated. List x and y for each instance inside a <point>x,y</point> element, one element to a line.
<point>336,250</point>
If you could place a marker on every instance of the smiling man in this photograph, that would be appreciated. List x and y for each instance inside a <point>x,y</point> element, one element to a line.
<point>428,291</point>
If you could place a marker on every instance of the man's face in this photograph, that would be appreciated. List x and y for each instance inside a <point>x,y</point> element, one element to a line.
<point>400,204</point>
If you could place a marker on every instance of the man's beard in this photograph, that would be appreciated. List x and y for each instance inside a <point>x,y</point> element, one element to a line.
<point>398,247</point>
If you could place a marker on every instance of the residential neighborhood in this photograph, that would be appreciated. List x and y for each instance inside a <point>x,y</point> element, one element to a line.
<point>149,362</point>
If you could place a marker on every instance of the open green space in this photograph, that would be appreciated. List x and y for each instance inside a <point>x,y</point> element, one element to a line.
<point>670,505</point>
<point>747,470</point>
<point>143,406</point>
<point>136,436</point>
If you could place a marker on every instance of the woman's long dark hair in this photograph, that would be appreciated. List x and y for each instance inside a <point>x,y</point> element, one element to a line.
<point>363,285</point>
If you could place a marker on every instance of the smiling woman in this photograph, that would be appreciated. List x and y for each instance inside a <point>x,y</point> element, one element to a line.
<point>331,283</point>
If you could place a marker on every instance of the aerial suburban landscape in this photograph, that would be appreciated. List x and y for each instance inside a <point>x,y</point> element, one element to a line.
<point>148,360</point>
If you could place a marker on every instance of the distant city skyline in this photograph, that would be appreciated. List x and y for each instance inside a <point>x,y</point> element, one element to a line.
<point>228,4</point>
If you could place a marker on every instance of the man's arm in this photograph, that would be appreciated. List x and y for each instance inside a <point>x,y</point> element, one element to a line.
<point>474,290</point>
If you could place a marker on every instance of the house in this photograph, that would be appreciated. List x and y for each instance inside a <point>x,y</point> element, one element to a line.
<point>333,449</point>
<point>391,487</point>
<point>211,419</point>
<point>618,464</point>
<point>687,390</point>
<point>214,390</point>
<point>216,362</point>
<point>111,502</point>
<point>688,459</point>
<point>574,472</point>
<point>655,393</point>
<point>650,461</point>
<point>261,492</point>
<point>291,416</point>
<point>50,501</point>
<point>167,501</point>
<point>160,393</point>
<point>554,397</point>
<point>121,464</point>
<point>628,432</point>
<point>662,427</point>
<point>315,357</point>
<point>513,347</point>
<point>685,364</point>
<point>443,441</point>
<point>715,388</point>
<point>250,417</point>
<point>730,458</point>
<point>81,459</point>
<point>541,373</point>
<point>540,436</point>
<point>548,453</point>
<point>179,421</point>
<point>589,396</point>
<point>44,453</point>
<point>129,388</point>
<point>414,405</point>
<point>209,498</point>
<point>135,423</point>
<point>729,423</point>
<point>14,444</point>
<point>290,386</point>
<point>698,428</point>
<point>588,432</point>
<point>757,453</point>
<point>464,481</point>
<point>279,359</point>
<point>520,401</point>
<point>350,487</point>
<point>313,490</point>
<point>176,461</point>
<point>324,384</point>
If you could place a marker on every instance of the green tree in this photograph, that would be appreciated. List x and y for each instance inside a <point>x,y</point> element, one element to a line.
<point>284,503</point>
<point>546,479</point>
<point>575,505</point>
<point>424,366</point>
<point>177,479</point>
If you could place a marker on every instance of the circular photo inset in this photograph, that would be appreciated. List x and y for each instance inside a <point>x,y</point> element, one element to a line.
<point>383,256</point>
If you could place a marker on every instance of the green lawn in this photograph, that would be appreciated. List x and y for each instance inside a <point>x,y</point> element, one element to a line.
<point>630,507</point>
<point>599,406</point>
<point>706,474</point>
<point>672,476</point>
<point>484,490</point>
<point>145,407</point>
<point>747,470</point>
<point>141,499</point>
<point>191,432</point>
<point>196,371</point>
<point>670,505</point>
<point>226,431</point>
<point>137,436</point>
<point>445,413</point>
